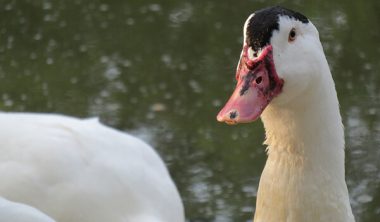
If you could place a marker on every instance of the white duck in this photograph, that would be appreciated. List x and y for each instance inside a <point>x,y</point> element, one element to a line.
<point>283,76</point>
<point>81,170</point>
<point>17,212</point>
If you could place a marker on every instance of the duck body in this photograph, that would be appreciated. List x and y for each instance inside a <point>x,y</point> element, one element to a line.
<point>81,170</point>
<point>16,212</point>
<point>284,78</point>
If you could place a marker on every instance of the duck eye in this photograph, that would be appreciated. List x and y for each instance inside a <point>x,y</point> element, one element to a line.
<point>292,35</point>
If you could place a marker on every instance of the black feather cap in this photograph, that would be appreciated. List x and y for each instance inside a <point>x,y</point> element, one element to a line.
<point>260,27</point>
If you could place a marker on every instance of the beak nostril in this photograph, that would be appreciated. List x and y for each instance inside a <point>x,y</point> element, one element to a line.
<point>259,80</point>
<point>233,114</point>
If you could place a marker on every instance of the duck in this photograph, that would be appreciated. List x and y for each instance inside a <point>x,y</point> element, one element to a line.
<point>18,212</point>
<point>81,170</point>
<point>284,79</point>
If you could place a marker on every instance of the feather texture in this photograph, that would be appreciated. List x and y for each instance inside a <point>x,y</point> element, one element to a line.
<point>81,170</point>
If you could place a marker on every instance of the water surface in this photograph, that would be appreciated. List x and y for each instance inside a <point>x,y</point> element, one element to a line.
<point>162,69</point>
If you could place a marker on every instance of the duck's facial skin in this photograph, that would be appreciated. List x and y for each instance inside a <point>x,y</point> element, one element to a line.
<point>257,84</point>
<point>281,49</point>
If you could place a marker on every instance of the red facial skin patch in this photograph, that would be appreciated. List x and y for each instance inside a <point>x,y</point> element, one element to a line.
<point>257,84</point>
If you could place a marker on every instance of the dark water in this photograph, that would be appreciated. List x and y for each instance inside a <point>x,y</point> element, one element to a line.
<point>162,69</point>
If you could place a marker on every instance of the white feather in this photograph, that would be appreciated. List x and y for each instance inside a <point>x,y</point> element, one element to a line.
<point>17,212</point>
<point>81,170</point>
<point>245,28</point>
<point>245,38</point>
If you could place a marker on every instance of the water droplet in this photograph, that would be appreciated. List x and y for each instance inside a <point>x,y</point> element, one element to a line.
<point>130,21</point>
<point>183,66</point>
<point>162,85</point>
<point>112,73</point>
<point>364,198</point>
<point>6,100</point>
<point>158,107</point>
<point>195,86</point>
<point>247,209</point>
<point>47,5</point>
<point>181,15</point>
<point>62,24</point>
<point>104,93</point>
<point>167,59</point>
<point>74,80</point>
<point>32,55</point>
<point>367,66</point>
<point>216,103</point>
<point>23,97</point>
<point>48,18</point>
<point>133,100</point>
<point>104,59</point>
<point>150,115</point>
<point>37,36</point>
<point>49,61</point>
<point>126,63</point>
<point>372,111</point>
<point>154,7</point>
<point>8,7</point>
<point>22,20</point>
<point>83,48</point>
<point>340,18</point>
<point>104,24</point>
<point>103,7</point>
<point>218,25</point>
<point>168,95</point>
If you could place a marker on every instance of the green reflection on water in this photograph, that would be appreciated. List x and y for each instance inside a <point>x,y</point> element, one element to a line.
<point>162,69</point>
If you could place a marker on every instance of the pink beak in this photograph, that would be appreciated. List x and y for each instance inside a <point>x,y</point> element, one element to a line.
<point>257,84</point>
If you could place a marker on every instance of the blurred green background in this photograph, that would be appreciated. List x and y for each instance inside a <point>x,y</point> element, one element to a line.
<point>161,69</point>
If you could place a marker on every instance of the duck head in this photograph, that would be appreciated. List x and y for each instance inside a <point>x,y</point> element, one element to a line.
<point>279,61</point>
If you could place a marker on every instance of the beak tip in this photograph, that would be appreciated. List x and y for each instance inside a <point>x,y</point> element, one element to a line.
<point>220,118</point>
<point>230,117</point>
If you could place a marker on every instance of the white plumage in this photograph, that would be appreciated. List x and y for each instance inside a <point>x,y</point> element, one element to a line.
<point>303,179</point>
<point>81,170</point>
<point>17,212</point>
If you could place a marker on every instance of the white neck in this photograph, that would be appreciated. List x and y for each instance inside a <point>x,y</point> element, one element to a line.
<point>304,179</point>
<point>309,128</point>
